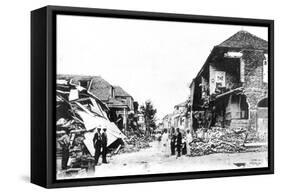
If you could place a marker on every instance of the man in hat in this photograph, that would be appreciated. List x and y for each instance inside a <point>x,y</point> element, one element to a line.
<point>97,144</point>
<point>173,141</point>
<point>178,142</point>
<point>104,145</point>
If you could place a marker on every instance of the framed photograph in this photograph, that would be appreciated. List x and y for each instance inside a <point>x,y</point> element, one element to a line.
<point>127,96</point>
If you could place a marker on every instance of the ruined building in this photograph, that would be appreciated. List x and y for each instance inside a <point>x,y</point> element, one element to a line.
<point>231,89</point>
<point>119,102</point>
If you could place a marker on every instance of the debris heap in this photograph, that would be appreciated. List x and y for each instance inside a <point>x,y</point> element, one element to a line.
<point>136,142</point>
<point>218,140</point>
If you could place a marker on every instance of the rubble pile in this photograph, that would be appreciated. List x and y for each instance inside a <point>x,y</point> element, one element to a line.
<point>219,140</point>
<point>134,143</point>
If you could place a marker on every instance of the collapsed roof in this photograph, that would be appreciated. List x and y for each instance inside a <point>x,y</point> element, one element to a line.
<point>78,109</point>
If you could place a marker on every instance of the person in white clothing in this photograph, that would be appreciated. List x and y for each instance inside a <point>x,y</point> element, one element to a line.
<point>158,137</point>
<point>165,142</point>
<point>188,141</point>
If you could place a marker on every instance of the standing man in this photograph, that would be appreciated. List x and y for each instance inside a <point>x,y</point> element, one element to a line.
<point>64,142</point>
<point>97,144</point>
<point>178,142</point>
<point>173,141</point>
<point>104,145</point>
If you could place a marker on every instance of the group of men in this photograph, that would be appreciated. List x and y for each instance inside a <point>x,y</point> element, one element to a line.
<point>176,142</point>
<point>178,145</point>
<point>100,145</point>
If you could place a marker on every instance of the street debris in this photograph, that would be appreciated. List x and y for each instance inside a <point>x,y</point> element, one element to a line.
<point>135,142</point>
<point>221,140</point>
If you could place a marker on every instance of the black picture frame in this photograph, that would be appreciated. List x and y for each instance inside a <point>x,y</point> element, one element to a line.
<point>43,84</point>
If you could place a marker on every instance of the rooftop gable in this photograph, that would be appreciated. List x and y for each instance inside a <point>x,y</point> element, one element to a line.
<point>100,87</point>
<point>246,40</point>
<point>118,91</point>
<point>97,85</point>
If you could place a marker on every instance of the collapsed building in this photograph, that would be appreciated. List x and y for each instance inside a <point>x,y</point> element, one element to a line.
<point>85,103</point>
<point>231,88</point>
<point>119,102</point>
<point>80,113</point>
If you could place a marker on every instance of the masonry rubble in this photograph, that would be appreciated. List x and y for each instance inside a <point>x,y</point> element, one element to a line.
<point>225,140</point>
<point>136,142</point>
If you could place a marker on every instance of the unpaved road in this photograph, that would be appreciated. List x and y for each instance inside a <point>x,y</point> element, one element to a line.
<point>153,160</point>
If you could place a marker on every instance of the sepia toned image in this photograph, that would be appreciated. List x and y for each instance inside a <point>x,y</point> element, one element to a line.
<point>137,97</point>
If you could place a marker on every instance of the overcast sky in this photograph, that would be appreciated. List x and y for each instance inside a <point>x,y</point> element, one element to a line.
<point>148,59</point>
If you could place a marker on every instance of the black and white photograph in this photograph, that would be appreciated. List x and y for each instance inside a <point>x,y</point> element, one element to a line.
<point>139,97</point>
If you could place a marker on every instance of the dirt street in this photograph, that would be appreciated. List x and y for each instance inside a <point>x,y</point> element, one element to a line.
<point>153,160</point>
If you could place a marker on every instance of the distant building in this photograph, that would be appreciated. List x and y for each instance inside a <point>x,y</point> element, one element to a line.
<point>167,121</point>
<point>177,119</point>
<point>180,116</point>
<point>121,95</point>
<point>231,89</point>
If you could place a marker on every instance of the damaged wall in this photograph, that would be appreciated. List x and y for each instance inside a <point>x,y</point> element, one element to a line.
<point>231,67</point>
<point>255,88</point>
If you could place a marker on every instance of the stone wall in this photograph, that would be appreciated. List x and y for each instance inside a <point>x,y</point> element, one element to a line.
<point>255,88</point>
